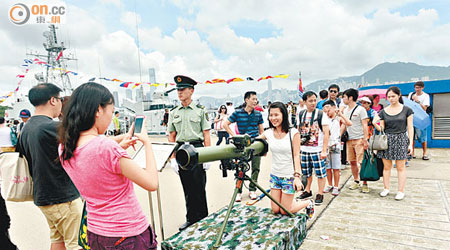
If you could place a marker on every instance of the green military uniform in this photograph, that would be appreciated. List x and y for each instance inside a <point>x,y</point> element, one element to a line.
<point>189,123</point>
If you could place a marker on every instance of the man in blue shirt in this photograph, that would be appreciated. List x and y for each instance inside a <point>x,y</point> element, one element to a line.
<point>323,98</point>
<point>249,121</point>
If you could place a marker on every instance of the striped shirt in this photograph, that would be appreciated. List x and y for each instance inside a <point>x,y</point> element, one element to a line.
<point>247,123</point>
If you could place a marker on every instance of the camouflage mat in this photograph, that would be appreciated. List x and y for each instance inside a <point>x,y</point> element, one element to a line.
<point>249,227</point>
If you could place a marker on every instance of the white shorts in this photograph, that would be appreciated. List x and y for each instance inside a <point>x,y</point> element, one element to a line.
<point>334,161</point>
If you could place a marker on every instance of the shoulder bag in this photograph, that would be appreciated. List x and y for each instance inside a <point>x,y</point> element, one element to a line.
<point>17,184</point>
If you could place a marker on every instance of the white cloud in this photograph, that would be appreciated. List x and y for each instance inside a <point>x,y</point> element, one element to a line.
<point>130,19</point>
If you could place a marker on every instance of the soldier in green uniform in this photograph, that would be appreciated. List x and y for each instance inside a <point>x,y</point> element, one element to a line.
<point>188,122</point>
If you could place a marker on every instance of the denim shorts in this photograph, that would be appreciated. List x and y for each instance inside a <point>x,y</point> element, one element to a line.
<point>420,135</point>
<point>286,184</point>
<point>143,241</point>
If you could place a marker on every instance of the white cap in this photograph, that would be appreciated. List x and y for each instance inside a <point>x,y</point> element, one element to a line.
<point>365,99</point>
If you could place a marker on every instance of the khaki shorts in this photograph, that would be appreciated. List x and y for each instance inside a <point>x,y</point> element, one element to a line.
<point>355,150</point>
<point>64,222</point>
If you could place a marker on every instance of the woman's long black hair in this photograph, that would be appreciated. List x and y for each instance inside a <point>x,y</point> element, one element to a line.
<point>397,91</point>
<point>284,112</point>
<point>222,107</point>
<point>79,114</point>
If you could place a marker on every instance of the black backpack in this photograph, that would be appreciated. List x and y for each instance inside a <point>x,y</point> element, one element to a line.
<point>429,108</point>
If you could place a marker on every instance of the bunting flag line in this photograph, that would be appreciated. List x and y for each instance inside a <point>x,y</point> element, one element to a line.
<point>127,84</point>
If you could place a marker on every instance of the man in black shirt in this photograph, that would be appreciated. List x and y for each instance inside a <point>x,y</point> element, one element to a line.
<point>54,193</point>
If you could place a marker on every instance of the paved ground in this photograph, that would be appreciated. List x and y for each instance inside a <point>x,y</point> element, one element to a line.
<point>355,220</point>
<point>385,219</point>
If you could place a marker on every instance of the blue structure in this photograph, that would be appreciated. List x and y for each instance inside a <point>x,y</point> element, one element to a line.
<point>439,133</point>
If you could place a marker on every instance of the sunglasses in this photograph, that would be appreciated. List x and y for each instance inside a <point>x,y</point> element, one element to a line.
<point>59,98</point>
<point>333,91</point>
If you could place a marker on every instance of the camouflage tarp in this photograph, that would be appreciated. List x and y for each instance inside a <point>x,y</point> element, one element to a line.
<point>249,227</point>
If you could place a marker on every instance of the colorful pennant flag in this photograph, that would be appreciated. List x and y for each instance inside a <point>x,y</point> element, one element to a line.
<point>60,55</point>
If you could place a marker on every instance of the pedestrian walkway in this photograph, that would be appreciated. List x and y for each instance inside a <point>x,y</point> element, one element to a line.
<point>354,220</point>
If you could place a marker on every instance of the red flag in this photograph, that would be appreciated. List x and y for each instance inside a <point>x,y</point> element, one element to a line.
<point>59,56</point>
<point>300,87</point>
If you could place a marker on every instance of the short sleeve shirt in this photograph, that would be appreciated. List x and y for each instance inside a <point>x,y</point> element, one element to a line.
<point>356,130</point>
<point>247,123</point>
<point>395,124</point>
<point>38,142</point>
<point>315,142</point>
<point>112,205</point>
<point>189,122</point>
<point>424,98</point>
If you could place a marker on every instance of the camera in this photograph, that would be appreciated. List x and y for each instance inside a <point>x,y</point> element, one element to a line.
<point>304,138</point>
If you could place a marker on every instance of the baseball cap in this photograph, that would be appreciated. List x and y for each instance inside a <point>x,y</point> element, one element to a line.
<point>24,113</point>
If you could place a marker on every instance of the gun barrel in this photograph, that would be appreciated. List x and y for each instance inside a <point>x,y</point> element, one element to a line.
<point>188,156</point>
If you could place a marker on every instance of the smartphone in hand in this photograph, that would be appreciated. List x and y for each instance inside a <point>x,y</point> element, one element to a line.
<point>138,123</point>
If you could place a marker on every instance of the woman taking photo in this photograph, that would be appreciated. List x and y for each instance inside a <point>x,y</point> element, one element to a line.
<point>397,122</point>
<point>284,177</point>
<point>103,172</point>
<point>218,124</point>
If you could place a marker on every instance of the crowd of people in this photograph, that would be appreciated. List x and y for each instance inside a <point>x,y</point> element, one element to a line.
<point>72,161</point>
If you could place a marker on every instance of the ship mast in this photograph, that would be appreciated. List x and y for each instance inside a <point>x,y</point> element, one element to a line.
<point>54,49</point>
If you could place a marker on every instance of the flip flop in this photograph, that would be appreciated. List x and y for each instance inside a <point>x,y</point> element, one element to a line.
<point>425,158</point>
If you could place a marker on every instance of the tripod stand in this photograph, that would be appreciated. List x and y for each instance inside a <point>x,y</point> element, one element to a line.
<point>241,166</point>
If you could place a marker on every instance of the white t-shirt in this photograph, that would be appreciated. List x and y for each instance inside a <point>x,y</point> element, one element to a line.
<point>424,98</point>
<point>355,131</point>
<point>315,142</point>
<point>335,133</point>
<point>5,137</point>
<point>281,153</point>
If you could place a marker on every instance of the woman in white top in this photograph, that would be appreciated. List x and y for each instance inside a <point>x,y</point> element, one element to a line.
<point>284,177</point>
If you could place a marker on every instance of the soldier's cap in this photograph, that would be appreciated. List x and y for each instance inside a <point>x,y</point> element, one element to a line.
<point>184,82</point>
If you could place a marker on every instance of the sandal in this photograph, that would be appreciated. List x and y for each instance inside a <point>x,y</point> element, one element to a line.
<point>425,158</point>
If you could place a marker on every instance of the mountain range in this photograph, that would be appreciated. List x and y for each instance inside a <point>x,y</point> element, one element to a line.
<point>384,73</point>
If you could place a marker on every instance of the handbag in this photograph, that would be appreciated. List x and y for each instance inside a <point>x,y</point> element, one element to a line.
<point>218,125</point>
<point>82,234</point>
<point>17,184</point>
<point>369,170</point>
<point>378,141</point>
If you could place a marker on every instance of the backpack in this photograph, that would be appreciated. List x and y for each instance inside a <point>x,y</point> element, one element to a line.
<point>429,108</point>
<point>319,117</point>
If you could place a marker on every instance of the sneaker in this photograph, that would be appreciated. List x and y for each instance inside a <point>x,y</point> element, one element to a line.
<point>354,186</point>
<point>400,196</point>
<point>252,195</point>
<point>305,195</point>
<point>310,210</point>
<point>384,193</point>
<point>319,199</point>
<point>238,197</point>
<point>335,191</point>
<point>328,189</point>
<point>365,188</point>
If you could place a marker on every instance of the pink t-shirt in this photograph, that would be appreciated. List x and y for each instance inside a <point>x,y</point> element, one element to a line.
<point>112,206</point>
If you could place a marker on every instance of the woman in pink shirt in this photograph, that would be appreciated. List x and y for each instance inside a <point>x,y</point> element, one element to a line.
<point>103,172</point>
